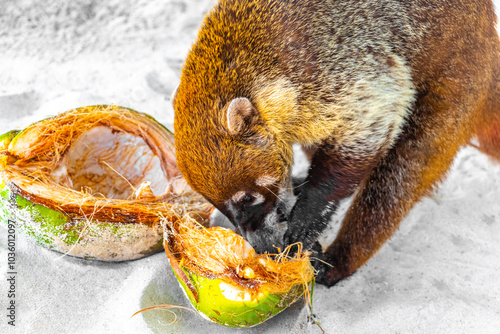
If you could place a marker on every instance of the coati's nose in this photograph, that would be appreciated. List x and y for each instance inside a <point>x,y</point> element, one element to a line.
<point>269,236</point>
<point>260,224</point>
<point>248,216</point>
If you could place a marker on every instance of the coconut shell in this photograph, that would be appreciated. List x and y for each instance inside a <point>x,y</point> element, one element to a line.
<point>226,281</point>
<point>87,202</point>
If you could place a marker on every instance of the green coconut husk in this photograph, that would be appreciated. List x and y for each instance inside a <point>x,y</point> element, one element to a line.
<point>226,281</point>
<point>94,182</point>
<point>72,183</point>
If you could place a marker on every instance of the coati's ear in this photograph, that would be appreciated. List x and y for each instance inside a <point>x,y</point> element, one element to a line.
<point>241,116</point>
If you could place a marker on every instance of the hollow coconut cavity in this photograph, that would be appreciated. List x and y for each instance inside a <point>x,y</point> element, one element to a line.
<point>226,281</point>
<point>94,182</point>
<point>111,164</point>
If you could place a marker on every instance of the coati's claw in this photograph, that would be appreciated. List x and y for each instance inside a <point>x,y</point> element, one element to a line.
<point>327,272</point>
<point>327,277</point>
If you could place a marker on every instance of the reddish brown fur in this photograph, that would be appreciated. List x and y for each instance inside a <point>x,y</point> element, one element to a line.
<point>472,76</point>
<point>451,49</point>
<point>488,127</point>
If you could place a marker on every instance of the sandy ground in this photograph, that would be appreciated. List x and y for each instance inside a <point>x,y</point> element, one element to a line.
<point>438,274</point>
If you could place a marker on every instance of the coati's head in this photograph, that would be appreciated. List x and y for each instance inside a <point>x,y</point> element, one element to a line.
<point>231,157</point>
<point>228,132</point>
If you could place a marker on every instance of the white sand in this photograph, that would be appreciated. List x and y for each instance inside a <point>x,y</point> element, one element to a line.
<point>440,273</point>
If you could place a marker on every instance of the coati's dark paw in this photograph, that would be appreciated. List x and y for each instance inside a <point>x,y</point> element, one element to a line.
<point>298,229</point>
<point>298,234</point>
<point>327,272</point>
<point>328,277</point>
<point>308,219</point>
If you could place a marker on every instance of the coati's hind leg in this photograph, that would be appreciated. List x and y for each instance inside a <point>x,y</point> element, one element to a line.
<point>419,159</point>
<point>488,126</point>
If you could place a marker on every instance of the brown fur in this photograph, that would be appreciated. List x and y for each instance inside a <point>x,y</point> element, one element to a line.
<point>383,93</point>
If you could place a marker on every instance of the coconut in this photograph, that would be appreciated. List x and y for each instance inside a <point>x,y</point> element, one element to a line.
<point>94,182</point>
<point>226,281</point>
<point>101,182</point>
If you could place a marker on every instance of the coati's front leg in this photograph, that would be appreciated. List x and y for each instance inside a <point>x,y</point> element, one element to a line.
<point>334,174</point>
<point>408,171</point>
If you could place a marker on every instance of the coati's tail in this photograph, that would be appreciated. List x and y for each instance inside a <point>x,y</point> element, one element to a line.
<point>488,128</point>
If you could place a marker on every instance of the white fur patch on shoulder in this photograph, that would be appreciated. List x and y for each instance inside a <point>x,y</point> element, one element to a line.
<point>275,100</point>
<point>374,108</point>
<point>266,180</point>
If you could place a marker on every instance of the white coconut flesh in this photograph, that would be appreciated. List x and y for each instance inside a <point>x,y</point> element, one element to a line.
<point>127,159</point>
<point>111,164</point>
<point>107,176</point>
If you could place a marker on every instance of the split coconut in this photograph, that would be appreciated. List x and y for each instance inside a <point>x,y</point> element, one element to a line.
<point>94,182</point>
<point>98,182</point>
<point>226,281</point>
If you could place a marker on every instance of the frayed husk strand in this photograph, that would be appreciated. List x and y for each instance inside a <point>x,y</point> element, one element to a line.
<point>219,252</point>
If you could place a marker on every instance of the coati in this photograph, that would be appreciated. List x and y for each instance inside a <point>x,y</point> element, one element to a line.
<point>381,94</point>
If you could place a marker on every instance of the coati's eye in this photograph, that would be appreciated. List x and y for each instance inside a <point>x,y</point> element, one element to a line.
<point>247,199</point>
<point>244,198</point>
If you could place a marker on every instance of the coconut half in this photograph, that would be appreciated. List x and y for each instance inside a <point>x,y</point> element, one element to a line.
<point>101,182</point>
<point>226,281</point>
<point>94,182</point>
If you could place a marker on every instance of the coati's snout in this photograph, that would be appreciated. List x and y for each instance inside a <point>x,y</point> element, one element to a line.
<point>239,167</point>
<point>259,221</point>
